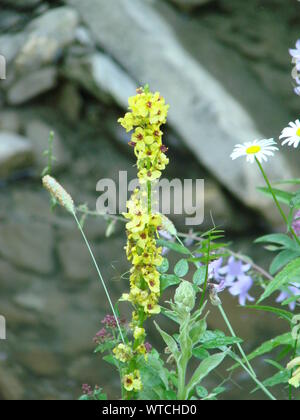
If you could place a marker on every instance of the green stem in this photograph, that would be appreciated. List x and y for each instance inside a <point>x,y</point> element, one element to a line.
<point>221,309</point>
<point>277,202</point>
<point>259,384</point>
<point>294,356</point>
<point>206,275</point>
<point>99,274</point>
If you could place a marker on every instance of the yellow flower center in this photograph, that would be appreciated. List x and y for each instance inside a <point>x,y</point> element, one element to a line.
<point>298,132</point>
<point>252,150</point>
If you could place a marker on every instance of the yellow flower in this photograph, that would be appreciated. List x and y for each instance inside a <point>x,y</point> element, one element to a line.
<point>148,175</point>
<point>151,306</point>
<point>132,382</point>
<point>138,332</point>
<point>127,122</point>
<point>123,353</point>
<point>295,380</point>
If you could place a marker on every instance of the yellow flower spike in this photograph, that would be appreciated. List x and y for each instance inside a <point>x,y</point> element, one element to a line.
<point>147,112</point>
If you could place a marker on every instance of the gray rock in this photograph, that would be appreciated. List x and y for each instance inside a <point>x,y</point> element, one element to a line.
<point>10,121</point>
<point>70,101</point>
<point>32,85</point>
<point>11,387</point>
<point>38,132</point>
<point>75,260</point>
<point>190,4</point>
<point>47,36</point>
<point>28,246</point>
<point>102,77</point>
<point>15,153</point>
<point>10,46</point>
<point>206,116</point>
<point>41,362</point>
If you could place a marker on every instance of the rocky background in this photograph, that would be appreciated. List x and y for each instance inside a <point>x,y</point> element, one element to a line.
<point>224,67</point>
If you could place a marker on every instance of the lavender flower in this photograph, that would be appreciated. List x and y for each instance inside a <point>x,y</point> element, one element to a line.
<point>295,53</point>
<point>296,221</point>
<point>234,270</point>
<point>236,279</point>
<point>292,290</point>
<point>214,270</point>
<point>241,289</point>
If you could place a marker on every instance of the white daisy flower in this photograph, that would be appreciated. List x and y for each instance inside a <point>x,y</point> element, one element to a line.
<point>291,134</point>
<point>259,149</point>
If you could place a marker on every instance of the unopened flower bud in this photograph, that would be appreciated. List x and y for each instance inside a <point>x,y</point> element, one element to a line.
<point>185,297</point>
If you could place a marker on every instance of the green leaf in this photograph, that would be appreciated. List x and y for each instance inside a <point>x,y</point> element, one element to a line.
<point>295,201</point>
<point>220,342</point>
<point>181,268</point>
<point>173,246</point>
<point>199,276</point>
<point>169,340</point>
<point>287,316</point>
<point>204,369</point>
<point>200,353</point>
<point>282,196</point>
<point>269,346</point>
<point>283,259</point>
<point>287,275</point>
<point>293,181</point>
<point>201,392</point>
<point>278,238</point>
<point>198,330</point>
<point>168,280</point>
<point>164,267</point>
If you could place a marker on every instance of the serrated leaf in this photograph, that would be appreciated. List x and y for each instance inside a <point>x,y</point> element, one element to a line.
<point>181,268</point>
<point>291,271</point>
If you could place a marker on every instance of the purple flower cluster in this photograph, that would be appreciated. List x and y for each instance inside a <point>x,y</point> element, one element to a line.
<point>295,53</point>
<point>148,347</point>
<point>109,324</point>
<point>234,277</point>
<point>102,336</point>
<point>87,390</point>
<point>292,290</point>
<point>296,223</point>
